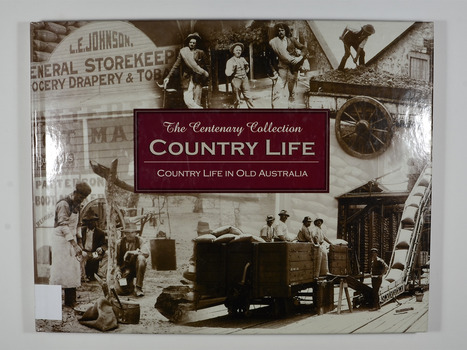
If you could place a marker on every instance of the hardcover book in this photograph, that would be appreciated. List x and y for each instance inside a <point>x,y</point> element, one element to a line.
<point>232,176</point>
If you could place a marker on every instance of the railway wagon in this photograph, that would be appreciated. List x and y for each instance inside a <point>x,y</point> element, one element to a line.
<point>246,273</point>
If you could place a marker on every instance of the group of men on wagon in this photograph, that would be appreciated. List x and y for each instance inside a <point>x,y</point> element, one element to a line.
<point>307,233</point>
<point>317,236</point>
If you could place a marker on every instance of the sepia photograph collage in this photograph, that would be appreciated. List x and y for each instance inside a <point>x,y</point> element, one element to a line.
<point>348,256</point>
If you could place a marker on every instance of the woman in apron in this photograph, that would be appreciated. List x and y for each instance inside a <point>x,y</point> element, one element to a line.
<point>66,253</point>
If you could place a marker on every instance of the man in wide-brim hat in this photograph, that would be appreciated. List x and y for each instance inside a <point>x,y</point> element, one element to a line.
<point>195,36</point>
<point>132,253</point>
<point>304,234</point>
<point>318,222</point>
<point>94,245</point>
<point>282,231</point>
<point>356,38</point>
<point>192,64</point>
<point>267,232</point>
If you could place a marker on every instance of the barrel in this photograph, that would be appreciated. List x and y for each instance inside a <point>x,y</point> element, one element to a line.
<point>163,257</point>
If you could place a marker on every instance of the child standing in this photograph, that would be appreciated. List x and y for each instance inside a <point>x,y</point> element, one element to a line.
<point>237,68</point>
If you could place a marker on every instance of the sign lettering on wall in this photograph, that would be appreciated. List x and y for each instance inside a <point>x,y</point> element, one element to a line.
<point>102,56</point>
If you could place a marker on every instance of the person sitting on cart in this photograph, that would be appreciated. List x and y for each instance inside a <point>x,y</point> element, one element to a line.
<point>304,234</point>
<point>237,68</point>
<point>93,242</point>
<point>282,231</point>
<point>356,38</point>
<point>191,64</point>
<point>267,232</point>
<point>132,253</point>
<point>319,237</point>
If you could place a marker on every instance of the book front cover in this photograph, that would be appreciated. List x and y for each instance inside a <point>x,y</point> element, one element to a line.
<point>210,175</point>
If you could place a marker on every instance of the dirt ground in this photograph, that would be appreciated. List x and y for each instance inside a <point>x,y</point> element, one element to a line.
<point>182,229</point>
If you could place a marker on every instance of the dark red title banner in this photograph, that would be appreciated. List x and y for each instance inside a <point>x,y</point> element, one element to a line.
<point>231,151</point>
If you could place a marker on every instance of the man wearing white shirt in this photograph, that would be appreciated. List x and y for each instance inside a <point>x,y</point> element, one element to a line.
<point>191,65</point>
<point>319,238</point>
<point>285,61</point>
<point>268,231</point>
<point>282,231</point>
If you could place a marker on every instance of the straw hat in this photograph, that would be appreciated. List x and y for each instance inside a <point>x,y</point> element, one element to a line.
<point>232,47</point>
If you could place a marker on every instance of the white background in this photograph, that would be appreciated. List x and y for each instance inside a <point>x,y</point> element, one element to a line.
<point>449,235</point>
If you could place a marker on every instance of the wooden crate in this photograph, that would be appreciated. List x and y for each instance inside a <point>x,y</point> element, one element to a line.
<point>280,267</point>
<point>338,260</point>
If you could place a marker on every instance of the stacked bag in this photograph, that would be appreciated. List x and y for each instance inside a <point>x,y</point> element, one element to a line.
<point>227,234</point>
<point>405,239</point>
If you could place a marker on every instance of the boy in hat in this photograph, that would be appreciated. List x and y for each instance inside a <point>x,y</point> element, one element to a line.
<point>192,65</point>
<point>132,253</point>
<point>356,38</point>
<point>94,245</point>
<point>237,68</point>
<point>267,232</point>
<point>378,269</point>
<point>304,234</point>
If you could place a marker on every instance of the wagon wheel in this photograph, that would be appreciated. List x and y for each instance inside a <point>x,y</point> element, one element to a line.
<point>363,127</point>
